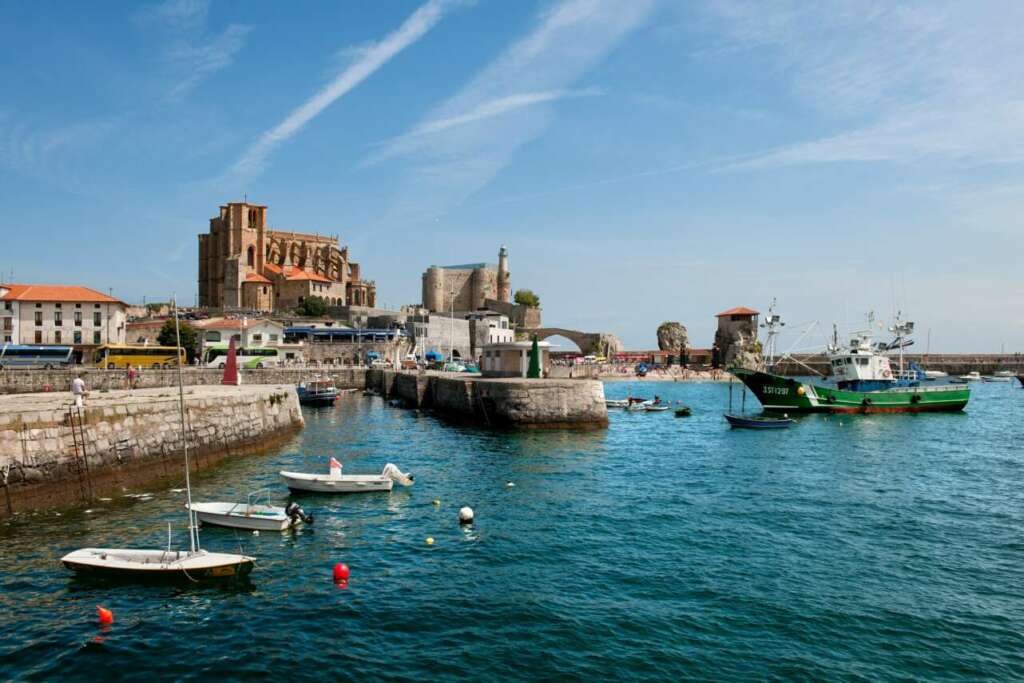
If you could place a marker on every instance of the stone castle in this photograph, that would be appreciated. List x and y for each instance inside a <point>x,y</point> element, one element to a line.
<point>467,287</point>
<point>244,264</point>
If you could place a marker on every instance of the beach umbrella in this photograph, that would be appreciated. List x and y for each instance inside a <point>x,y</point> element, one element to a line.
<point>534,371</point>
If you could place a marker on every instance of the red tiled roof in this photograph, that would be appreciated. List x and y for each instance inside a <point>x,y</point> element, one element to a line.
<point>295,273</point>
<point>739,310</point>
<point>226,323</point>
<point>60,293</point>
<point>145,324</point>
<point>256,277</point>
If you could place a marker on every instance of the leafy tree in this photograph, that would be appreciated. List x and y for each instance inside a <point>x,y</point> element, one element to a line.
<point>526,297</point>
<point>312,306</point>
<point>189,338</point>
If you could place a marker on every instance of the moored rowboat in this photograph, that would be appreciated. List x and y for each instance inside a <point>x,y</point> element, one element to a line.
<point>336,482</point>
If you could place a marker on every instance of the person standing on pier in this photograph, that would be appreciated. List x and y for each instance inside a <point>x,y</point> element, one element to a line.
<point>78,390</point>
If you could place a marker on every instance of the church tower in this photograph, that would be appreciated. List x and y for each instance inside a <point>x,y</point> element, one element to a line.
<point>504,277</point>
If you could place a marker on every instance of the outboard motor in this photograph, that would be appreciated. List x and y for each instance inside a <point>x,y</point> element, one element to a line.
<point>296,514</point>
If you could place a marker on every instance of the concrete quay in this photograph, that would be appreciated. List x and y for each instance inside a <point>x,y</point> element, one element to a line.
<point>31,381</point>
<point>53,455</point>
<point>504,402</point>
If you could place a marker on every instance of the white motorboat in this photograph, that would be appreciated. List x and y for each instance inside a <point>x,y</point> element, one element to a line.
<point>616,403</point>
<point>997,378</point>
<point>935,374</point>
<point>336,482</point>
<point>656,407</point>
<point>971,377</point>
<point>1004,373</point>
<point>251,515</point>
<point>192,565</point>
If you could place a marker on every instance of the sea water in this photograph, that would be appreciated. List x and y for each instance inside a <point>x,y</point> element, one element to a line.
<point>661,548</point>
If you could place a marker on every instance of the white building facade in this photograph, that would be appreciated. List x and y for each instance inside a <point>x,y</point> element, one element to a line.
<point>61,315</point>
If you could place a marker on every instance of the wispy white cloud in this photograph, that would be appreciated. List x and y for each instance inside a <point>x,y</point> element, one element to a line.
<point>49,154</point>
<point>463,143</point>
<point>486,110</point>
<point>180,14</point>
<point>191,53</point>
<point>198,62</point>
<point>920,81</point>
<point>367,61</point>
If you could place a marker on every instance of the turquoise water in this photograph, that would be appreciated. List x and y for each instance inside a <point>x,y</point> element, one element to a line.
<point>661,548</point>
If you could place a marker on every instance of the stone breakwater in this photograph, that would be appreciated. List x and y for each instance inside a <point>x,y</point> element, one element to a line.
<point>505,402</point>
<point>53,455</point>
<point>31,381</point>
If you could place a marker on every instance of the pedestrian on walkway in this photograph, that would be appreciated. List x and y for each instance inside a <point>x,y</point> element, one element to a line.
<point>78,390</point>
<point>131,378</point>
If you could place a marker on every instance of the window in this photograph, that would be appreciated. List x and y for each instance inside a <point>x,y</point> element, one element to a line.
<point>95,305</point>
<point>39,318</point>
<point>7,338</point>
<point>862,361</point>
<point>251,257</point>
<point>39,337</point>
<point>273,338</point>
<point>56,337</point>
<point>257,337</point>
<point>78,318</point>
<point>97,318</point>
<point>78,337</point>
<point>58,317</point>
<point>96,337</point>
<point>212,336</point>
<point>8,324</point>
<point>78,305</point>
<point>7,305</point>
<point>39,305</point>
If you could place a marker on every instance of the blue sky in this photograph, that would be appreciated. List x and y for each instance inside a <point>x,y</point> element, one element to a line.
<point>644,161</point>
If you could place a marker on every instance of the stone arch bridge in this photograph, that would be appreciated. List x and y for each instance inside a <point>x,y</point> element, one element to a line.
<point>597,343</point>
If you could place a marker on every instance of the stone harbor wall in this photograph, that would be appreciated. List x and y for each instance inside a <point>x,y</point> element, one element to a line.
<point>505,402</point>
<point>32,381</point>
<point>52,455</point>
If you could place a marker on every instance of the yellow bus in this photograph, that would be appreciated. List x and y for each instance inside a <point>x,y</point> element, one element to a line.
<point>112,356</point>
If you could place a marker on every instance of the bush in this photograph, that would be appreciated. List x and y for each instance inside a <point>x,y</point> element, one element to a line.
<point>526,297</point>
<point>312,306</point>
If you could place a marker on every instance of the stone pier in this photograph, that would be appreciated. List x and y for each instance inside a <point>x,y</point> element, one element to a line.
<point>52,455</point>
<point>504,402</point>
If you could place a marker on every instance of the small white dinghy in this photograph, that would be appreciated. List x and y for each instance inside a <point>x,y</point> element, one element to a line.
<point>251,515</point>
<point>197,565</point>
<point>336,482</point>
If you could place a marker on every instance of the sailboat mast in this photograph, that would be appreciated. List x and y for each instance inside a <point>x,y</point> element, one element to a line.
<point>193,537</point>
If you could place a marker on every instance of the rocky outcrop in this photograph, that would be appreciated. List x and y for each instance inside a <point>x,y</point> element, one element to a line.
<point>743,351</point>
<point>672,337</point>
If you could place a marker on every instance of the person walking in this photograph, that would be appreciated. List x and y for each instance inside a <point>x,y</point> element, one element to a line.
<point>131,378</point>
<point>78,390</point>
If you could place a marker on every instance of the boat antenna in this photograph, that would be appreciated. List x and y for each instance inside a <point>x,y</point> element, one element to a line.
<point>193,536</point>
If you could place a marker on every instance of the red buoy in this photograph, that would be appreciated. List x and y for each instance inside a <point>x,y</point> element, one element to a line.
<point>340,572</point>
<point>106,616</point>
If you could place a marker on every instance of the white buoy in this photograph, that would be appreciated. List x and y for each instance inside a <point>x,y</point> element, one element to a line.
<point>465,515</point>
<point>255,532</point>
<point>509,485</point>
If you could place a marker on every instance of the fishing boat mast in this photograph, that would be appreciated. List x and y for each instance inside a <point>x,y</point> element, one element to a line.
<point>772,324</point>
<point>193,535</point>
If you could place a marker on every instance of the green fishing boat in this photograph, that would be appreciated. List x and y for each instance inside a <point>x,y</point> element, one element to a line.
<point>863,381</point>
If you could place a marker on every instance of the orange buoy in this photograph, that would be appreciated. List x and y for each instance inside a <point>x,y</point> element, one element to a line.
<point>106,616</point>
<point>340,572</point>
